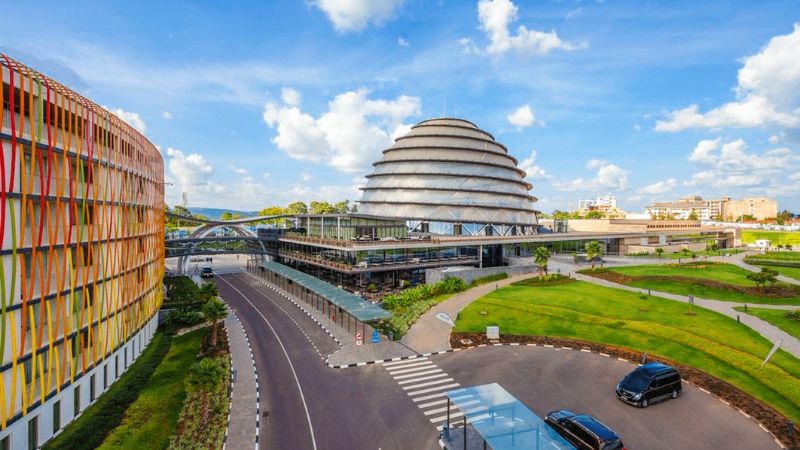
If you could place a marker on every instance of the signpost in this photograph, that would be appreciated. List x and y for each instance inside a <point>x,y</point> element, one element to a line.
<point>492,333</point>
<point>359,338</point>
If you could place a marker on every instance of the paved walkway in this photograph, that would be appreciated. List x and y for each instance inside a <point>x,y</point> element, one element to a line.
<point>790,343</point>
<point>429,334</point>
<point>243,416</point>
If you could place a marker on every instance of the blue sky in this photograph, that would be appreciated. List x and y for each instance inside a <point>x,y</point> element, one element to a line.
<point>262,103</point>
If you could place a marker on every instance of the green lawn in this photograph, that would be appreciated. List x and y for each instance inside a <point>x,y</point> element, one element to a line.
<point>777,256</point>
<point>776,317</point>
<point>708,340</point>
<point>727,273</point>
<point>793,272</point>
<point>151,420</point>
<point>775,237</point>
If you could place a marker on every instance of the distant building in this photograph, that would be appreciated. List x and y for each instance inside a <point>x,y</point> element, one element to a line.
<point>605,203</point>
<point>725,208</point>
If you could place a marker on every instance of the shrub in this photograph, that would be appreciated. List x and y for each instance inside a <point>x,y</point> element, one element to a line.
<point>489,278</point>
<point>204,414</point>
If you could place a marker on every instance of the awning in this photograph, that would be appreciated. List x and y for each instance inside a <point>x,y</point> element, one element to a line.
<point>354,305</point>
<point>504,422</point>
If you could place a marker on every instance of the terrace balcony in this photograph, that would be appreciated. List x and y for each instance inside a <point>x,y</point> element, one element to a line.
<point>365,266</point>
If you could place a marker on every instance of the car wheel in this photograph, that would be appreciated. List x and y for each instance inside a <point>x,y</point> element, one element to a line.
<point>675,393</point>
<point>645,403</point>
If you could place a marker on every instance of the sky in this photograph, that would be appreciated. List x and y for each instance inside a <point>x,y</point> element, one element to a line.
<point>258,103</point>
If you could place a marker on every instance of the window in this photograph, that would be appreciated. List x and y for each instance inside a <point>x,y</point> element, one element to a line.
<point>5,444</point>
<point>76,400</point>
<point>56,416</point>
<point>582,434</point>
<point>116,367</point>
<point>91,388</point>
<point>105,376</point>
<point>33,433</point>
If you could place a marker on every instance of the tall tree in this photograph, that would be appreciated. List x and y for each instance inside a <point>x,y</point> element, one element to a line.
<point>541,257</point>
<point>204,376</point>
<point>214,311</point>
<point>297,208</point>
<point>783,216</point>
<point>593,250</point>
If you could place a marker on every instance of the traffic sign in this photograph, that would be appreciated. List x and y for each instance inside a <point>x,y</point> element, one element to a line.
<point>359,338</point>
<point>375,336</point>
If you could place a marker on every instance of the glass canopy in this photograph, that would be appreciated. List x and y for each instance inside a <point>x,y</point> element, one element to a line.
<point>503,421</point>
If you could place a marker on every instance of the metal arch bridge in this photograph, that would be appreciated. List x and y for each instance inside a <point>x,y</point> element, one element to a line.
<point>231,222</point>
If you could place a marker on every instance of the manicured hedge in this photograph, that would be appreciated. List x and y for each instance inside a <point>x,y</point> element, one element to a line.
<point>92,427</point>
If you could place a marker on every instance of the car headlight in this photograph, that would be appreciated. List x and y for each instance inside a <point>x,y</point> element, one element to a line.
<point>617,387</point>
<point>637,397</point>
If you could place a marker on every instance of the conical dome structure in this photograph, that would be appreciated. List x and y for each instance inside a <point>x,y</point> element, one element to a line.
<point>449,170</point>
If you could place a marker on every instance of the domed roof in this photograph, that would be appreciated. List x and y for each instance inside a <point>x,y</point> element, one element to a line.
<point>448,169</point>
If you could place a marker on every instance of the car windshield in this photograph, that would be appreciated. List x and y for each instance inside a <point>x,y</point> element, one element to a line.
<point>635,381</point>
<point>614,444</point>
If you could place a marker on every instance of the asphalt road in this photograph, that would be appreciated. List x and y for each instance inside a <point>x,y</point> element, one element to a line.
<point>359,408</point>
<point>365,407</point>
<point>546,379</point>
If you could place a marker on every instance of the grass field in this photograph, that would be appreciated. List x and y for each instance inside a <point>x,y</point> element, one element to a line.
<point>727,273</point>
<point>708,341</point>
<point>775,237</point>
<point>151,420</point>
<point>777,256</point>
<point>792,272</point>
<point>776,317</point>
<point>682,255</point>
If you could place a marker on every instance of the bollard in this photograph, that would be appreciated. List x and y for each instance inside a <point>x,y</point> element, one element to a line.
<point>745,307</point>
<point>644,358</point>
<point>790,433</point>
<point>737,319</point>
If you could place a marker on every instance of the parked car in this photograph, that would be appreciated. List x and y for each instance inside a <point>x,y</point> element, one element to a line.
<point>649,383</point>
<point>206,272</point>
<point>583,431</point>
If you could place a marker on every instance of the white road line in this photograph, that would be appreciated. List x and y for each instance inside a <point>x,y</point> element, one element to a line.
<point>433,403</point>
<point>427,397</point>
<point>417,380</point>
<point>430,383</point>
<point>454,413</point>
<point>452,408</point>
<point>425,391</point>
<point>405,361</point>
<point>286,354</point>
<point>426,372</point>
<point>396,369</point>
<point>413,369</point>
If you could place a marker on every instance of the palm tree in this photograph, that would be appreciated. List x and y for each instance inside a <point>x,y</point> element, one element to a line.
<point>209,290</point>
<point>593,250</point>
<point>214,311</point>
<point>540,257</point>
<point>204,376</point>
<point>659,251</point>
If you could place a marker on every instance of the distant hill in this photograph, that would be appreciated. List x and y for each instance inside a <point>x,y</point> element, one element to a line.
<point>215,213</point>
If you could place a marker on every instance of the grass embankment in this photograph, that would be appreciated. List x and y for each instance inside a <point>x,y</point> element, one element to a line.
<point>151,420</point>
<point>788,321</point>
<point>95,423</point>
<point>786,263</point>
<point>408,305</point>
<point>775,237</point>
<point>707,340</point>
<point>701,279</point>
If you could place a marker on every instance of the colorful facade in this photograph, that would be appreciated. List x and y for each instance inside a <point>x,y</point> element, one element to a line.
<point>81,252</point>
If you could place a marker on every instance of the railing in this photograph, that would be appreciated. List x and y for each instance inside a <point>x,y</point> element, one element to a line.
<point>354,242</point>
<point>366,267</point>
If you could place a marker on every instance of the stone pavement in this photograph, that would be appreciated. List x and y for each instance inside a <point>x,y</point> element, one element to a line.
<point>430,335</point>
<point>244,411</point>
<point>790,343</point>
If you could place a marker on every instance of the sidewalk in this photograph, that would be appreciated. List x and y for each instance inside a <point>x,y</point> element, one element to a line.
<point>772,333</point>
<point>430,335</point>
<point>243,415</point>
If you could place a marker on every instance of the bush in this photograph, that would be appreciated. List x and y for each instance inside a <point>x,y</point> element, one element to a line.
<point>204,414</point>
<point>182,292</point>
<point>107,412</point>
<point>489,278</point>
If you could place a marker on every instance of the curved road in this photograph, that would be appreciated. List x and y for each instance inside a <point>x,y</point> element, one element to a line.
<point>314,407</point>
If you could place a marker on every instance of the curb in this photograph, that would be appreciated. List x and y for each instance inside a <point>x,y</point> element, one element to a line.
<point>258,395</point>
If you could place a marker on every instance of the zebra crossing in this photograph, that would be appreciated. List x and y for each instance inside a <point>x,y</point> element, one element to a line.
<point>426,385</point>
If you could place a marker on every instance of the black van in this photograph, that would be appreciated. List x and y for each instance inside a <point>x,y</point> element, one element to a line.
<point>649,383</point>
<point>583,431</point>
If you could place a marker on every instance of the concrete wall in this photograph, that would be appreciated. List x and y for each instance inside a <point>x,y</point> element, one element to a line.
<point>434,275</point>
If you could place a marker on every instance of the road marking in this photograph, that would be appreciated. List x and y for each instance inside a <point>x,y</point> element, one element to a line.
<point>427,377</point>
<point>407,366</point>
<point>433,403</point>
<point>431,412</point>
<point>428,397</point>
<point>426,366</point>
<point>286,354</point>
<point>425,391</point>
<point>428,383</point>
<point>405,361</point>
<point>426,372</point>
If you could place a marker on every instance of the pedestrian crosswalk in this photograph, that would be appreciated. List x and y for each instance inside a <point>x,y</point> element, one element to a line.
<point>426,384</point>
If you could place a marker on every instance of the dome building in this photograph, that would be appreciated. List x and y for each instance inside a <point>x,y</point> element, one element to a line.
<point>448,176</point>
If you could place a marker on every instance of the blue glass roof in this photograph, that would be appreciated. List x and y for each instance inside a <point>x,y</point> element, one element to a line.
<point>353,304</point>
<point>503,421</point>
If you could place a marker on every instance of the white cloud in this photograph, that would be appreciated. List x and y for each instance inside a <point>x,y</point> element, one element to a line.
<point>775,138</point>
<point>240,170</point>
<point>660,187</point>
<point>523,117</point>
<point>573,13</point>
<point>533,171</point>
<point>290,96</point>
<point>637,127</point>
<point>349,136</point>
<point>767,93</point>
<point>402,42</point>
<point>703,151</point>
<point>354,15</point>
<point>266,174</point>
<point>131,118</point>
<point>609,177</point>
<point>305,175</point>
<point>191,173</point>
<point>496,16</point>
<point>166,115</point>
<point>468,46</point>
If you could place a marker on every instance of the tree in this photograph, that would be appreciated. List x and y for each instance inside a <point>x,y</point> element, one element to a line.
<point>204,376</point>
<point>692,215</point>
<point>230,215</point>
<point>214,311</point>
<point>593,250</point>
<point>659,251</point>
<point>209,290</point>
<point>788,246</point>
<point>342,207</point>
<point>540,257</point>
<point>783,216</point>
<point>712,247</point>
<point>594,214</point>
<point>297,208</point>
<point>766,275</point>
<point>316,207</point>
